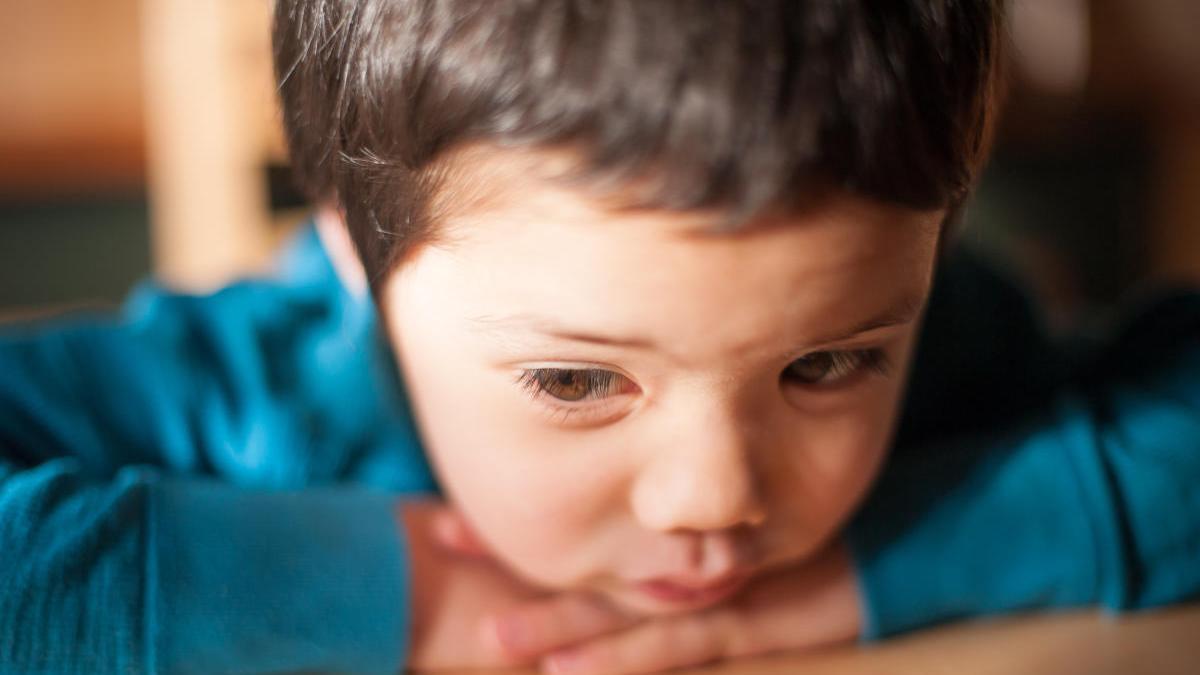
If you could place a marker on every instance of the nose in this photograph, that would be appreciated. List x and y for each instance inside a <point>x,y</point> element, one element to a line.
<point>705,480</point>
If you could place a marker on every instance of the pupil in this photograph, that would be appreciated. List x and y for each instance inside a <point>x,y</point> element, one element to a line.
<point>813,367</point>
<point>566,385</point>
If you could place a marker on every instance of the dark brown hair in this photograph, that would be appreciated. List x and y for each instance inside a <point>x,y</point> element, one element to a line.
<point>734,104</point>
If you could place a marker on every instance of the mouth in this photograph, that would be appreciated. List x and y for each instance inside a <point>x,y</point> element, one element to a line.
<point>683,594</point>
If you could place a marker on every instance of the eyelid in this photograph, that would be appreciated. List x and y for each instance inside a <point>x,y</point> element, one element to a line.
<point>872,339</point>
<point>873,360</point>
<point>523,366</point>
<point>861,363</point>
<point>567,364</point>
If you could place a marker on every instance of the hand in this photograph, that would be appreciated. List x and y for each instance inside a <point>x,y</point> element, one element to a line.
<point>452,594</point>
<point>807,605</point>
<point>812,604</point>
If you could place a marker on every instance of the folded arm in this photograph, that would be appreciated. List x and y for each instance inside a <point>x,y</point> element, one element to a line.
<point>1092,497</point>
<point>174,490</point>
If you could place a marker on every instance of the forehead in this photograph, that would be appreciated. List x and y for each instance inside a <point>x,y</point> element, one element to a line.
<point>533,247</point>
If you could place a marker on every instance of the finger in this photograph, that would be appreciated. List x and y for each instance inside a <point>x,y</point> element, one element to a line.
<point>664,644</point>
<point>452,532</point>
<point>543,626</point>
<point>818,604</point>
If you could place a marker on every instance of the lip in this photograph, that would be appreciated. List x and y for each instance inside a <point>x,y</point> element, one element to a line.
<point>677,592</point>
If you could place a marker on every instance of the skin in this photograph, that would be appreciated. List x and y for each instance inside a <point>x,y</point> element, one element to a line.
<point>715,448</point>
<point>811,604</point>
<point>712,444</point>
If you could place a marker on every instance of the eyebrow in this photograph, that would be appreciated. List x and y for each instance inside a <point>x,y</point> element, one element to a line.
<point>552,328</point>
<point>905,311</point>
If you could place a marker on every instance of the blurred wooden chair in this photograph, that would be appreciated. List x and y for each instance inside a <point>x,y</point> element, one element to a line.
<point>212,131</point>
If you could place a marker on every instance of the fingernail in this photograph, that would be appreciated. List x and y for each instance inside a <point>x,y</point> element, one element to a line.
<point>490,634</point>
<point>561,663</point>
<point>511,633</point>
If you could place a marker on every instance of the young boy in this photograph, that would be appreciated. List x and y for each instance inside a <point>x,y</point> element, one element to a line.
<point>653,274</point>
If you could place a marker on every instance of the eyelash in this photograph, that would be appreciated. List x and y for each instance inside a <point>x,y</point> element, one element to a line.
<point>533,381</point>
<point>843,365</point>
<point>599,383</point>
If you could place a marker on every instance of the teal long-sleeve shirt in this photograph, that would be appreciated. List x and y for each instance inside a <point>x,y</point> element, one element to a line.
<point>207,484</point>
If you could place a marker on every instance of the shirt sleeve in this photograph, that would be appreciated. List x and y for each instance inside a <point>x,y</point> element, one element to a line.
<point>147,574</point>
<point>1091,498</point>
<point>204,484</point>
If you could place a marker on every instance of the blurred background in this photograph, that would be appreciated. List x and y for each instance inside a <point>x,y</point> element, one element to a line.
<point>140,137</point>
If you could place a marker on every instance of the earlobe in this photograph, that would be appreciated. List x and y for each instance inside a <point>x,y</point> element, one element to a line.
<point>331,228</point>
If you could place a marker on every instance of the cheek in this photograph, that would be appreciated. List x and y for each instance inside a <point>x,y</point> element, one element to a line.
<point>541,505</point>
<point>828,468</point>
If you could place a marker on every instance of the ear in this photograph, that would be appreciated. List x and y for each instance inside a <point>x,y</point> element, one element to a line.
<point>331,228</point>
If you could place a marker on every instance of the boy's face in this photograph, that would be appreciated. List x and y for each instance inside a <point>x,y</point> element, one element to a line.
<point>632,404</point>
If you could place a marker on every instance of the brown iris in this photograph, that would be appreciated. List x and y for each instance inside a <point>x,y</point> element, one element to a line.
<point>572,385</point>
<point>568,385</point>
<point>812,368</point>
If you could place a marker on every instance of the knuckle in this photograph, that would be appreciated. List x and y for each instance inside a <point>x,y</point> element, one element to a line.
<point>731,632</point>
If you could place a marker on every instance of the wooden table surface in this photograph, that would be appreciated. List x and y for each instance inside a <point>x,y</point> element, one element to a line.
<point>1165,641</point>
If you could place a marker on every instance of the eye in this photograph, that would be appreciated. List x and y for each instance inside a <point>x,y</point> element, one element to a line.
<point>832,367</point>
<point>574,385</point>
